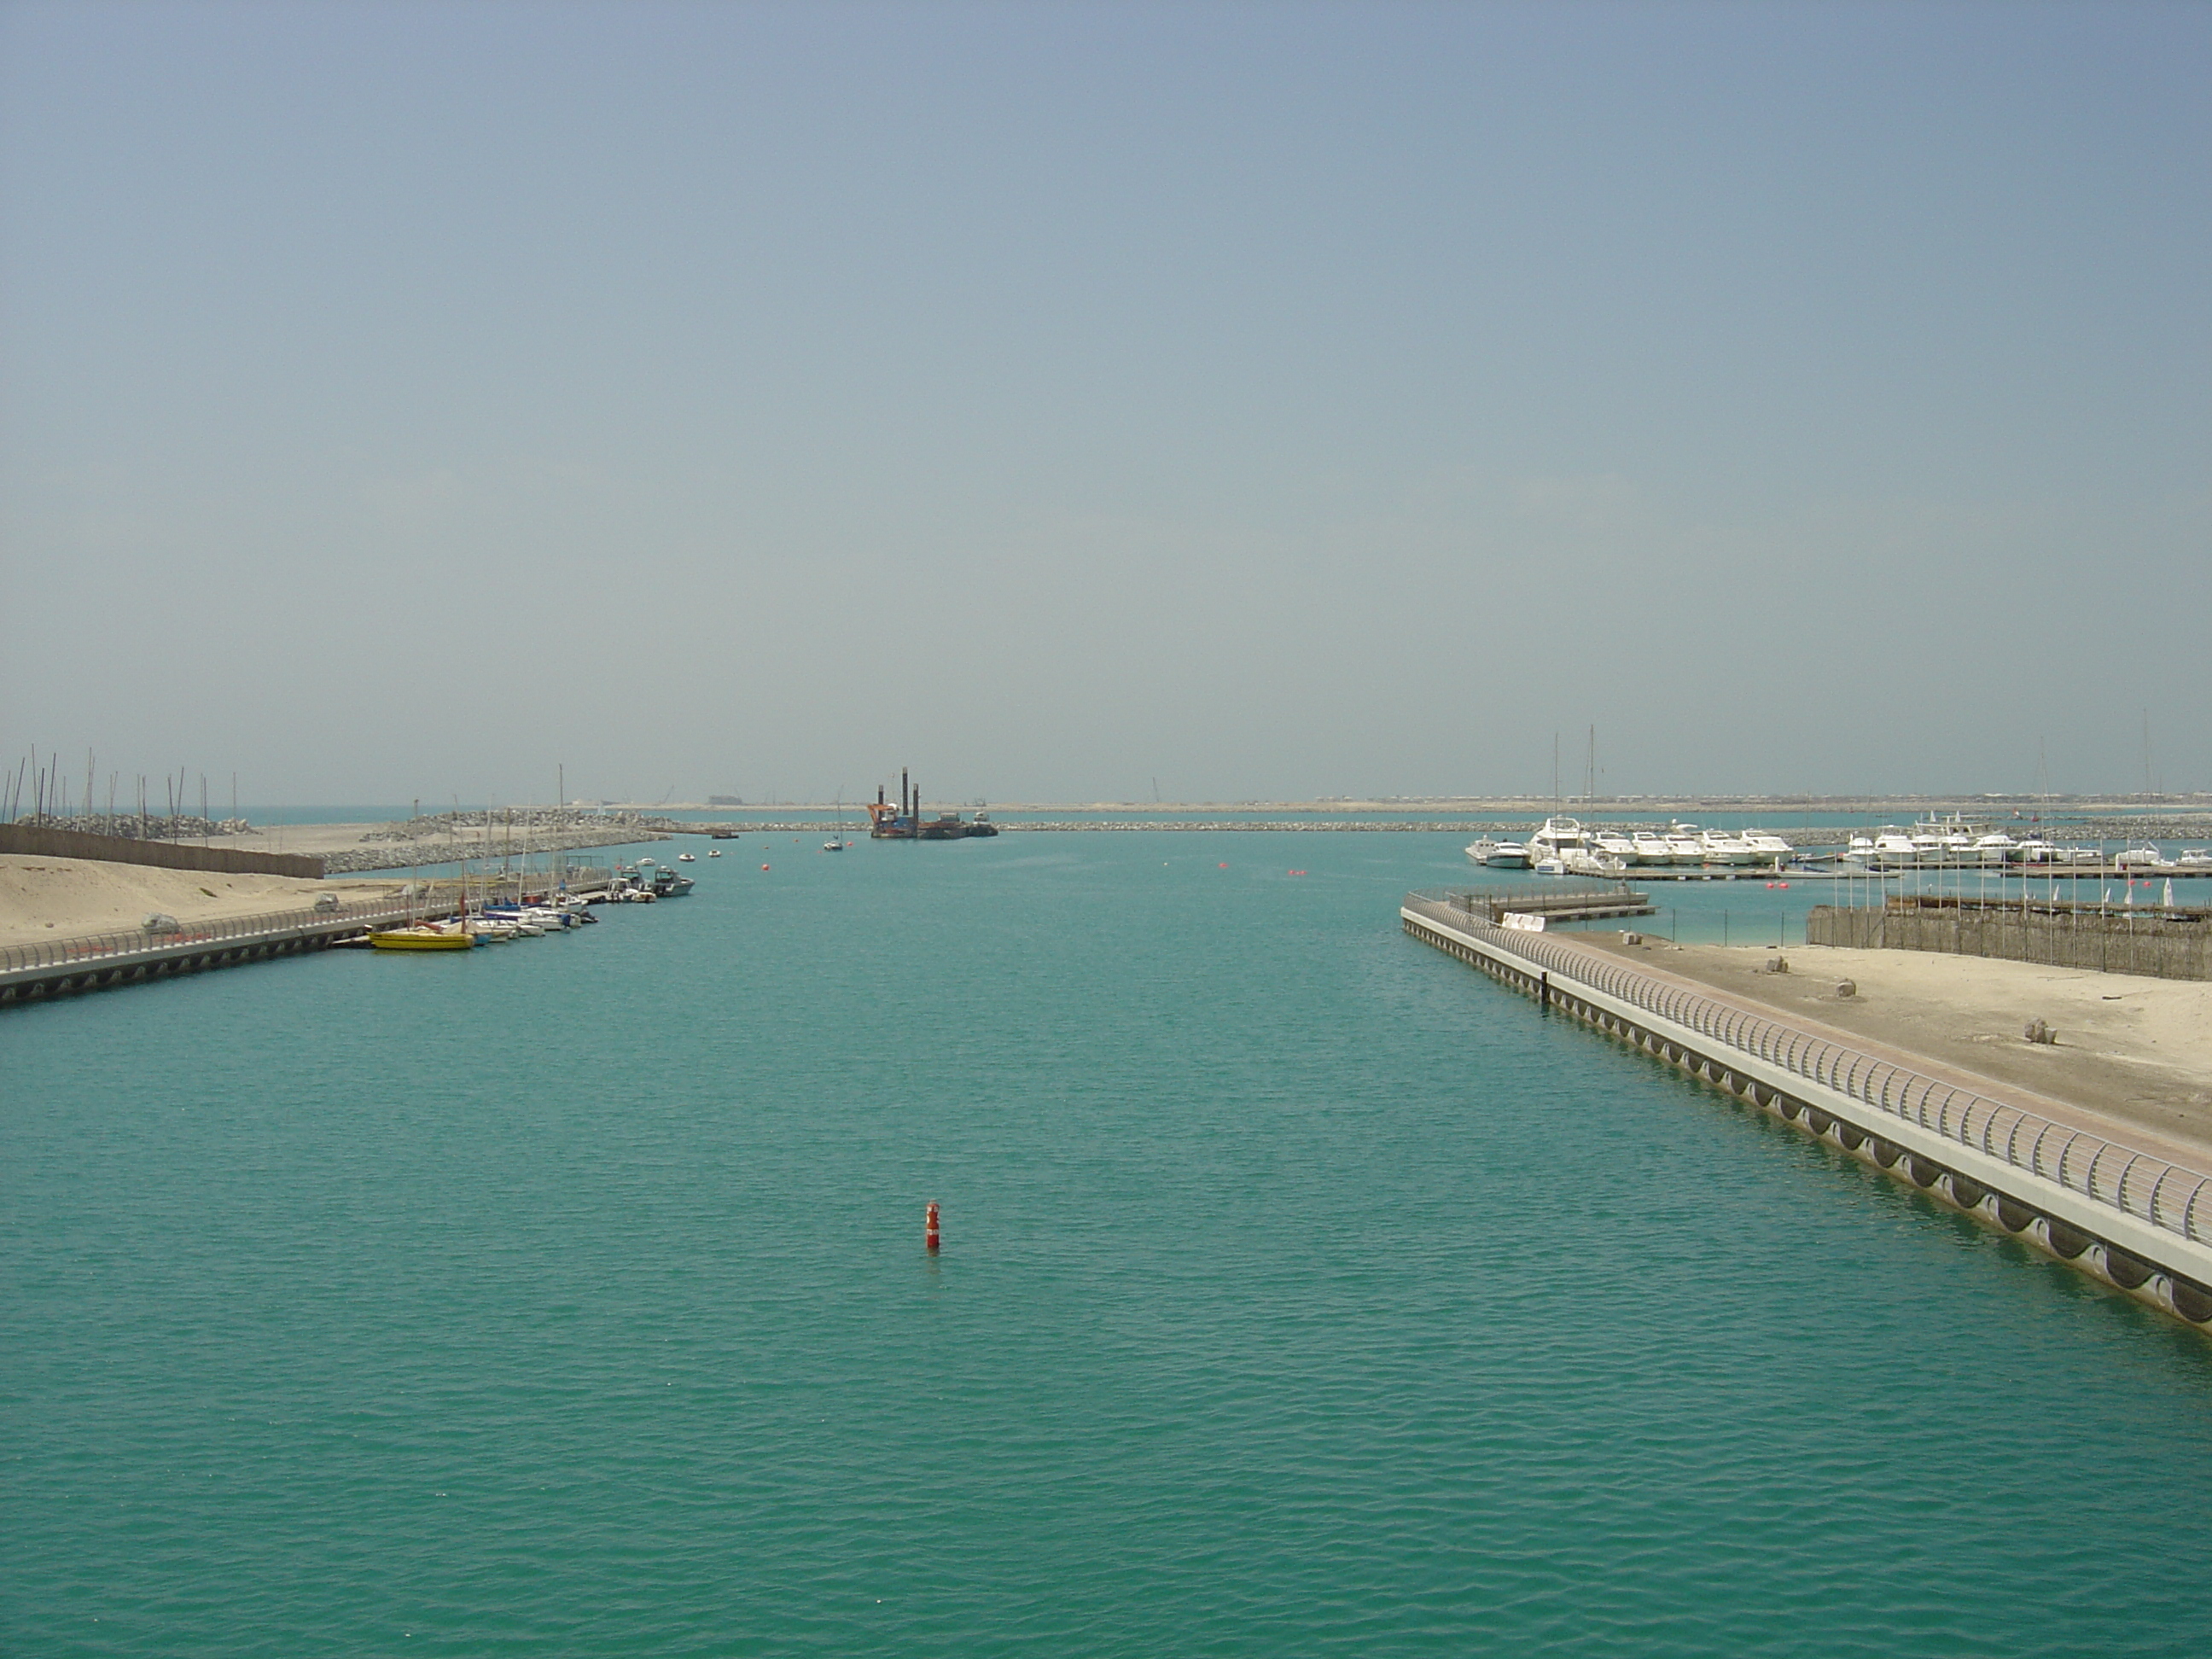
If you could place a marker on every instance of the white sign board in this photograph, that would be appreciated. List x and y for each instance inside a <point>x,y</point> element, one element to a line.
<point>1523,924</point>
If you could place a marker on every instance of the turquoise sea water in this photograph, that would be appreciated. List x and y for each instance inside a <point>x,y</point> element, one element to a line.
<point>1303,1293</point>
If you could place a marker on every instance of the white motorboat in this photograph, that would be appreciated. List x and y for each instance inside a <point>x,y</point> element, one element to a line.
<point>685,858</point>
<point>1500,854</point>
<point>1895,850</point>
<point>1559,836</point>
<point>1552,864</point>
<point>2030,851</point>
<point>1650,848</point>
<point>714,852</point>
<point>1686,844</point>
<point>1764,846</point>
<point>2194,858</point>
<point>1611,844</point>
<point>1720,848</point>
<point>2145,857</point>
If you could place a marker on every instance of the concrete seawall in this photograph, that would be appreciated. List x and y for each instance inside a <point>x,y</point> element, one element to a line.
<point>2128,1208</point>
<point>159,854</point>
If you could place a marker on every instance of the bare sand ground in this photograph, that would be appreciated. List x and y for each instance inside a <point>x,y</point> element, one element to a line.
<point>47,898</point>
<point>2137,1051</point>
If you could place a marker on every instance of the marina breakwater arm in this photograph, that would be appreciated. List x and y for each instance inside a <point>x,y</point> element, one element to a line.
<point>100,961</point>
<point>410,855</point>
<point>2131,1209</point>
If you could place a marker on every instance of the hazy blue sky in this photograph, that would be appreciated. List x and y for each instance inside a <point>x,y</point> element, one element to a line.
<point>401,400</point>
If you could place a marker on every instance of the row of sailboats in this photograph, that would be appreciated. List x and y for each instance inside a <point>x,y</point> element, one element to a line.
<point>483,920</point>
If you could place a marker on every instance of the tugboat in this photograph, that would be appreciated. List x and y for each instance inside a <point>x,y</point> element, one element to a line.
<point>904,822</point>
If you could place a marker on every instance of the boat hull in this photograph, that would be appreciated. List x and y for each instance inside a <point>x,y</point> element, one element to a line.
<point>407,939</point>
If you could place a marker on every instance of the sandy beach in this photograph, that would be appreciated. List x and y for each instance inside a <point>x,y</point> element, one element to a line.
<point>2136,1050</point>
<point>46,898</point>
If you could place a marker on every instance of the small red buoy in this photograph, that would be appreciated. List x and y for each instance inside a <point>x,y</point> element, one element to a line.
<point>1225,866</point>
<point>929,1228</point>
<point>764,866</point>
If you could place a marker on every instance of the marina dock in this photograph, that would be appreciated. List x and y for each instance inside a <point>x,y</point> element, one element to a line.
<point>1575,905</point>
<point>101,962</point>
<point>63,967</point>
<point>2127,1206</point>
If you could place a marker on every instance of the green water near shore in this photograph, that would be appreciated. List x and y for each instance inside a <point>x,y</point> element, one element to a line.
<point>1304,1291</point>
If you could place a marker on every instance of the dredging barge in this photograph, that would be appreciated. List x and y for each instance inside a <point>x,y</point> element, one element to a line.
<point>903,820</point>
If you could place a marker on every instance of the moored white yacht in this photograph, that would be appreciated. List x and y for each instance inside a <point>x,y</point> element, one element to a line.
<point>1557,836</point>
<point>1650,848</point>
<point>1500,854</point>
<point>2145,857</point>
<point>1996,848</point>
<point>1764,845</point>
<point>1685,844</point>
<point>1722,848</point>
<point>1893,849</point>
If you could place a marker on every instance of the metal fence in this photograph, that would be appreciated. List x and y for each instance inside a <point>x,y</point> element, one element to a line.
<point>2163,944</point>
<point>44,842</point>
<point>2169,1196</point>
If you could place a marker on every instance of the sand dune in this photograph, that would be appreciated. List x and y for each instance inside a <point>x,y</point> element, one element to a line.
<point>46,898</point>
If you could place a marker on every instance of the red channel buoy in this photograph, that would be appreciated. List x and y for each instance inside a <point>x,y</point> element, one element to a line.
<point>929,1229</point>
<point>764,866</point>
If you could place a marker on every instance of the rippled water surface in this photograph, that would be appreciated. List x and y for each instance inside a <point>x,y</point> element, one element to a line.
<point>1303,1293</point>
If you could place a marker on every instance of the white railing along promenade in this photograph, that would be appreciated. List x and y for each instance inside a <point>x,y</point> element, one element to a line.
<point>137,941</point>
<point>2169,1196</point>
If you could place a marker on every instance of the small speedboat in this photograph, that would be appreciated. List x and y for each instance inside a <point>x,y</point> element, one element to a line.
<point>714,852</point>
<point>1500,854</point>
<point>685,858</point>
<point>833,845</point>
